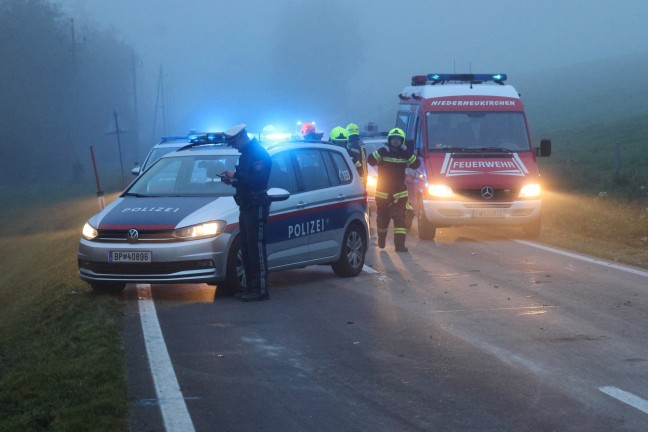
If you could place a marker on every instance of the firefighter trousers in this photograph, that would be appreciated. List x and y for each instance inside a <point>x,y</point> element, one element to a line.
<point>385,212</point>
<point>252,224</point>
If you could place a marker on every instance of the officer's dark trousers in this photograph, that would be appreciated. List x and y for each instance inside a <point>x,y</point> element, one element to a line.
<point>384,214</point>
<point>252,223</point>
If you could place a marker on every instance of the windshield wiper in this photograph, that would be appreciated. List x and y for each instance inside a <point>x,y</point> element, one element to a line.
<point>139,195</point>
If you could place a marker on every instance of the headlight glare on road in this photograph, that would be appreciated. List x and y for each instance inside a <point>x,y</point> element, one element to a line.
<point>89,232</point>
<point>203,230</point>
<point>530,191</point>
<point>440,191</point>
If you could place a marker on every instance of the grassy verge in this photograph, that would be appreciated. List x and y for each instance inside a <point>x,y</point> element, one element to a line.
<point>598,226</point>
<point>61,362</point>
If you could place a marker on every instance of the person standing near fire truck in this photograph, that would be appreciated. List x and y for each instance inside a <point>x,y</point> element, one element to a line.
<point>391,190</point>
<point>356,149</point>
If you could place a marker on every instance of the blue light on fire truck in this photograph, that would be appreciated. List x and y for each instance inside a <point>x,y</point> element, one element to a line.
<point>498,78</point>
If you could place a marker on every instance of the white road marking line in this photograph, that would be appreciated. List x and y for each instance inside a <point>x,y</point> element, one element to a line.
<point>585,258</point>
<point>626,397</point>
<point>172,403</point>
<point>368,269</point>
<point>496,309</point>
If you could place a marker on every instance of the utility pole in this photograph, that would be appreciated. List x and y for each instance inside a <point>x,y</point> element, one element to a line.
<point>135,108</point>
<point>117,131</point>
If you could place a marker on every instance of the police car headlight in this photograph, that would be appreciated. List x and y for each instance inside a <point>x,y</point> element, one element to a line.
<point>89,232</point>
<point>203,230</point>
<point>440,191</point>
<point>530,191</point>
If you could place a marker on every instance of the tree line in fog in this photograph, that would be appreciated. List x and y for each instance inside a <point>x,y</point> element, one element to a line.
<point>59,87</point>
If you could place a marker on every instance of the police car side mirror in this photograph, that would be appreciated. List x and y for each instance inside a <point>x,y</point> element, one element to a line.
<point>136,170</point>
<point>278,194</point>
<point>544,149</point>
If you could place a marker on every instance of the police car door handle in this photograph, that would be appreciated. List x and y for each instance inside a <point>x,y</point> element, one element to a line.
<point>301,204</point>
<point>340,196</point>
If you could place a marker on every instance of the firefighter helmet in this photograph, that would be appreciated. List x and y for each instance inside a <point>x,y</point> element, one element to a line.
<point>396,132</point>
<point>338,134</point>
<point>352,129</point>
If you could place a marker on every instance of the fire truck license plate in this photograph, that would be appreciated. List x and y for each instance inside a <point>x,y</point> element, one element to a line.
<point>130,256</point>
<point>488,213</point>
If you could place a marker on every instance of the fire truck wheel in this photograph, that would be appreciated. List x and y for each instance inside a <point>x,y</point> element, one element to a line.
<point>426,230</point>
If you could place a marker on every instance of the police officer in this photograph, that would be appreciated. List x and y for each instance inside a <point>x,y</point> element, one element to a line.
<point>251,183</point>
<point>357,151</point>
<point>391,190</point>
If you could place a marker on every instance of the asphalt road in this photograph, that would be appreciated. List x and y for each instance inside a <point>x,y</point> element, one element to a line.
<point>471,332</point>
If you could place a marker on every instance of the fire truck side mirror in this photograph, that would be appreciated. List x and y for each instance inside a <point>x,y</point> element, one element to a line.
<point>545,148</point>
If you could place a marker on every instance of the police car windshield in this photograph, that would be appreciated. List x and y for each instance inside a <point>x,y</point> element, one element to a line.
<point>477,131</point>
<point>157,152</point>
<point>180,176</point>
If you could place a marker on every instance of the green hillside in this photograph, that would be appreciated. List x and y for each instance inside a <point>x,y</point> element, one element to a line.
<point>585,159</point>
<point>586,110</point>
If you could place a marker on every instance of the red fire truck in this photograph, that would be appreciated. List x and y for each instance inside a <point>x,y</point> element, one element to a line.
<point>478,161</point>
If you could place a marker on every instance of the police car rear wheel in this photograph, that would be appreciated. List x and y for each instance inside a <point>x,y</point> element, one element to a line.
<point>352,254</point>
<point>235,273</point>
<point>112,288</point>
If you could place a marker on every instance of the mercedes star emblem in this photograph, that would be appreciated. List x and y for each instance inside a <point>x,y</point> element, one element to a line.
<point>487,192</point>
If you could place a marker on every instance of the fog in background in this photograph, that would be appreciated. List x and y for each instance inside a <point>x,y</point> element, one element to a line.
<point>338,61</point>
<point>167,66</point>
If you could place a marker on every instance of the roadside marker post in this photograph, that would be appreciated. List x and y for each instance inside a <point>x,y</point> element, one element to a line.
<point>100,195</point>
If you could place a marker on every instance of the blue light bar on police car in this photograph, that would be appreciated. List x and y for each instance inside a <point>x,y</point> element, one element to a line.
<point>473,78</point>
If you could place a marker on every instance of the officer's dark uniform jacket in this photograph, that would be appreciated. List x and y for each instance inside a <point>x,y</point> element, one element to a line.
<point>252,174</point>
<point>391,162</point>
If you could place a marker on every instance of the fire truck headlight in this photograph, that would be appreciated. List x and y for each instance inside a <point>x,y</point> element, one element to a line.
<point>372,181</point>
<point>440,191</point>
<point>89,232</point>
<point>530,191</point>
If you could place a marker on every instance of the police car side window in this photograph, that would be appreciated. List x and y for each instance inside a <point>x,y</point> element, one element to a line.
<point>312,170</point>
<point>282,173</point>
<point>342,170</point>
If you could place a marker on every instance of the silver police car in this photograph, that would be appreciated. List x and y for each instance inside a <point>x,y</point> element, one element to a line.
<point>178,223</point>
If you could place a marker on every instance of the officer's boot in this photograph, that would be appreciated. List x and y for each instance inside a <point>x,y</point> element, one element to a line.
<point>399,242</point>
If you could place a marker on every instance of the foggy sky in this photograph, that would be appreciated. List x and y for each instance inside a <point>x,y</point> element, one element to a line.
<point>339,61</point>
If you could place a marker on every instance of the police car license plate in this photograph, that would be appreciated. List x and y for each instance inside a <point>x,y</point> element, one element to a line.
<point>488,213</point>
<point>130,256</point>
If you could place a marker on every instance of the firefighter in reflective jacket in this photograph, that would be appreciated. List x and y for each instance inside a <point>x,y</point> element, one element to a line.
<point>356,149</point>
<point>391,190</point>
<point>340,137</point>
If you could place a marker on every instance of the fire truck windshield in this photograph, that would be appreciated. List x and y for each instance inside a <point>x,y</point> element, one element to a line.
<point>474,131</point>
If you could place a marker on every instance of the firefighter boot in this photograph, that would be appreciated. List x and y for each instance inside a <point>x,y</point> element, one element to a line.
<point>399,242</point>
<point>381,240</point>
